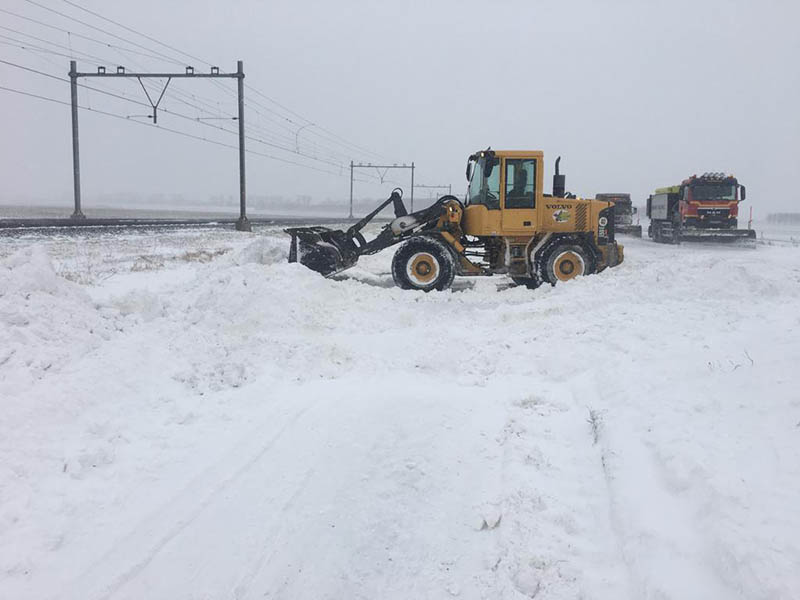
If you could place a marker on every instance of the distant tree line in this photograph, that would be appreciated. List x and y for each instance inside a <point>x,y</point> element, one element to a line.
<point>784,218</point>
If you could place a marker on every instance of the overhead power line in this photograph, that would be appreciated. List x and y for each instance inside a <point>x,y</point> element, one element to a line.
<point>338,157</point>
<point>168,129</point>
<point>86,37</point>
<point>174,113</point>
<point>88,87</point>
<point>318,139</point>
<point>324,135</point>
<point>108,33</point>
<point>341,139</point>
<point>157,41</point>
<point>126,28</point>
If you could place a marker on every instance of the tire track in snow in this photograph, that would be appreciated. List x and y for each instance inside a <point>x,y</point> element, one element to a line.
<point>555,539</point>
<point>115,561</point>
<point>242,588</point>
<point>657,531</point>
<point>363,528</point>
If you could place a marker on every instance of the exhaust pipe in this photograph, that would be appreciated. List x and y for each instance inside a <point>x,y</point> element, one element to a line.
<point>559,182</point>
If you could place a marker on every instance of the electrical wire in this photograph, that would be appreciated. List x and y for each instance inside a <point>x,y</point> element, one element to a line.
<point>309,126</point>
<point>317,147</point>
<point>259,93</point>
<point>113,35</point>
<point>85,37</point>
<point>126,28</point>
<point>175,113</point>
<point>162,128</point>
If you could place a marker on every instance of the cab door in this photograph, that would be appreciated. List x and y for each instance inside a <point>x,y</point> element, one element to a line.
<point>519,196</point>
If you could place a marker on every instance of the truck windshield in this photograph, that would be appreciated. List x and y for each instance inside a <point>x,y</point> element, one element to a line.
<point>713,191</point>
<point>485,190</point>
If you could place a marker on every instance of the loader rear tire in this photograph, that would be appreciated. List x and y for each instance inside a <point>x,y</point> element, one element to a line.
<point>564,262</point>
<point>423,263</point>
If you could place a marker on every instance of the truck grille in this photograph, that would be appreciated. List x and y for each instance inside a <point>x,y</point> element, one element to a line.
<point>713,212</point>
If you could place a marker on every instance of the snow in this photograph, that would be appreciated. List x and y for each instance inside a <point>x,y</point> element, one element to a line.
<point>186,415</point>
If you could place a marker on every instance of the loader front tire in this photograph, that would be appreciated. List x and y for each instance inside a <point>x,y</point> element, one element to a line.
<point>566,261</point>
<point>423,263</point>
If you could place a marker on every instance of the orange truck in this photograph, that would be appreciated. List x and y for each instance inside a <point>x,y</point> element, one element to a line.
<point>701,208</point>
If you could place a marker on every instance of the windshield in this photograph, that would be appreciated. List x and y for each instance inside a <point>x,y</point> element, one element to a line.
<point>483,190</point>
<point>714,191</point>
<point>621,201</point>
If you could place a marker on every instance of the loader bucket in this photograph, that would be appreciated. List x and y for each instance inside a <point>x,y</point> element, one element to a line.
<point>326,251</point>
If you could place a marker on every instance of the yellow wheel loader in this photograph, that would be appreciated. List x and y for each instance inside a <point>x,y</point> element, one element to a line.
<point>506,225</point>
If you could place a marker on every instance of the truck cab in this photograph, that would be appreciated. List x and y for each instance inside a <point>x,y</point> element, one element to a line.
<point>711,201</point>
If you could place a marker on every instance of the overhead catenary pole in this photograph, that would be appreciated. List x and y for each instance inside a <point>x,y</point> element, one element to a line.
<point>242,224</point>
<point>76,161</point>
<point>448,187</point>
<point>412,186</point>
<point>381,176</point>
<point>351,190</point>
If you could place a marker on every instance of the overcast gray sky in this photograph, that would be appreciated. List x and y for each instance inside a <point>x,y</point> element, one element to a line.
<point>632,95</point>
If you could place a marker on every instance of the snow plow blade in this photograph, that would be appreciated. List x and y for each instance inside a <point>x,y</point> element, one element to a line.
<point>324,250</point>
<point>717,235</point>
<point>633,230</point>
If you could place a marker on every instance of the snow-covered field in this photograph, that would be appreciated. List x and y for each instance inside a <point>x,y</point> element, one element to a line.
<point>185,415</point>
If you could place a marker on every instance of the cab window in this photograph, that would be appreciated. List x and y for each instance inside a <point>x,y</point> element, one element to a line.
<point>520,183</point>
<point>485,190</point>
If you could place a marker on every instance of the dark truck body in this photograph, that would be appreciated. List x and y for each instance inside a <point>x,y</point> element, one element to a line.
<point>623,213</point>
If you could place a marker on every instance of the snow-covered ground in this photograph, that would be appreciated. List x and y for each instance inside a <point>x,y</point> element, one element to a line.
<point>185,415</point>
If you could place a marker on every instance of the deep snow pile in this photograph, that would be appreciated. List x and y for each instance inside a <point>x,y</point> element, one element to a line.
<point>245,428</point>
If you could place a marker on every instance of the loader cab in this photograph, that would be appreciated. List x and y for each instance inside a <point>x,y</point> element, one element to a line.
<point>484,180</point>
<point>505,188</point>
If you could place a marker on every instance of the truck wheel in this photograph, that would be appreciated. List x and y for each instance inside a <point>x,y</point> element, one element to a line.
<point>564,262</point>
<point>423,263</point>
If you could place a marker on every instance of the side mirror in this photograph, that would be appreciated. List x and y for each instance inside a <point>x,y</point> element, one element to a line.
<point>743,192</point>
<point>635,210</point>
<point>489,166</point>
<point>469,169</point>
<point>489,162</point>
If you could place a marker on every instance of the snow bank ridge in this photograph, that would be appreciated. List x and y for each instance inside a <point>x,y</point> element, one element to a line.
<point>265,251</point>
<point>43,319</point>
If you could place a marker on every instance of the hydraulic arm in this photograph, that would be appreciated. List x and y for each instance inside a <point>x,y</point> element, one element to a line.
<point>329,251</point>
